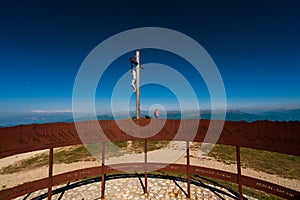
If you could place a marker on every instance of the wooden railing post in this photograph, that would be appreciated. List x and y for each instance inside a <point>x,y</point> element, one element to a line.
<point>50,174</point>
<point>188,169</point>
<point>146,167</point>
<point>103,171</point>
<point>239,175</point>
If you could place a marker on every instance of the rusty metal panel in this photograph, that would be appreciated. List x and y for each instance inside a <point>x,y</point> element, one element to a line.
<point>23,189</point>
<point>214,173</point>
<point>140,167</point>
<point>270,188</point>
<point>133,167</point>
<point>77,174</point>
<point>110,169</point>
<point>283,137</point>
<point>26,138</point>
<point>170,167</point>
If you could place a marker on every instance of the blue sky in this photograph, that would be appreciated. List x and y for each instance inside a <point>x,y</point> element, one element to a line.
<point>255,45</point>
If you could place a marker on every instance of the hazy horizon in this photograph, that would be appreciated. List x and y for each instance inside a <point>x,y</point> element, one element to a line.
<point>40,117</point>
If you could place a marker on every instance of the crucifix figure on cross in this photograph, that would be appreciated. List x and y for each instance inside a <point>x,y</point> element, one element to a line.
<point>135,83</point>
<point>133,73</point>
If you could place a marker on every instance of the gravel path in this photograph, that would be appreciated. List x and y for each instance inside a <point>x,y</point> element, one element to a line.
<point>131,189</point>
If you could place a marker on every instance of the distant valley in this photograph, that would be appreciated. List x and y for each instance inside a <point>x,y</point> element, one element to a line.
<point>12,119</point>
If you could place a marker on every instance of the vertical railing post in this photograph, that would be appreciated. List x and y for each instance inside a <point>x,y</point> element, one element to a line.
<point>239,175</point>
<point>103,171</point>
<point>146,167</point>
<point>50,177</point>
<point>188,169</point>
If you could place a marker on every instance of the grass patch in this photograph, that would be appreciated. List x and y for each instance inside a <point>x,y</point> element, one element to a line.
<point>284,165</point>
<point>74,154</point>
<point>33,162</point>
<point>225,154</point>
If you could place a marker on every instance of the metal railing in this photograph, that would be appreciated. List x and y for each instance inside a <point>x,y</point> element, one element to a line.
<point>282,137</point>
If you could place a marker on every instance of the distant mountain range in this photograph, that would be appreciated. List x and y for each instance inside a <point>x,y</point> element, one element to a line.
<point>273,115</point>
<point>12,119</point>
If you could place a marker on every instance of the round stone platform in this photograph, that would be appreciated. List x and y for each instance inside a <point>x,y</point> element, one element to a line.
<point>132,188</point>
